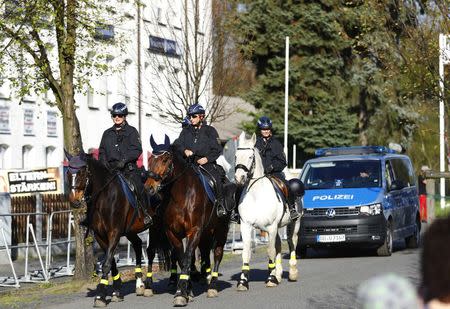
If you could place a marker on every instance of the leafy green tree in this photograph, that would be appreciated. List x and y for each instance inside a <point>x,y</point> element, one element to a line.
<point>47,45</point>
<point>319,112</point>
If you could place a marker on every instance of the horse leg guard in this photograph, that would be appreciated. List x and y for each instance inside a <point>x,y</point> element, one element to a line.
<point>139,284</point>
<point>212,288</point>
<point>173,280</point>
<point>242,284</point>
<point>100,298</point>
<point>272,281</point>
<point>148,283</point>
<point>293,271</point>
<point>116,294</point>
<point>181,295</point>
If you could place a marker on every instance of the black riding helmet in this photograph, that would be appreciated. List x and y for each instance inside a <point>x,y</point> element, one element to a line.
<point>119,109</point>
<point>264,123</point>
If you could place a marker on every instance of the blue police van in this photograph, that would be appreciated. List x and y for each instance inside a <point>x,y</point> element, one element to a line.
<point>359,196</point>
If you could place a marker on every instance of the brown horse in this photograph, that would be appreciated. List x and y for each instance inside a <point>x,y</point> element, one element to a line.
<point>110,216</point>
<point>187,213</point>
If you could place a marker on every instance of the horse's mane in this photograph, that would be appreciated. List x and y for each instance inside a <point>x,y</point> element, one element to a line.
<point>97,168</point>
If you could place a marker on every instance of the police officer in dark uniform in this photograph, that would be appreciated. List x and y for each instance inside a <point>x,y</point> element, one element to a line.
<point>200,142</point>
<point>120,149</point>
<point>273,158</point>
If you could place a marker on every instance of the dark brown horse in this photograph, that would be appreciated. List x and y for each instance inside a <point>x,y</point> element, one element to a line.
<point>110,216</point>
<point>187,213</point>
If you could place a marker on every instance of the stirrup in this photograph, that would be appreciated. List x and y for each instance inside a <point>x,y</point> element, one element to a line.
<point>294,214</point>
<point>234,217</point>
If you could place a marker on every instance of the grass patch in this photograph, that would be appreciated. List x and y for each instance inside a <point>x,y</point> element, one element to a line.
<point>28,295</point>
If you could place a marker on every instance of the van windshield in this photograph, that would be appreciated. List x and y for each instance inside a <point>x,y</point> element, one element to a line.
<point>342,174</point>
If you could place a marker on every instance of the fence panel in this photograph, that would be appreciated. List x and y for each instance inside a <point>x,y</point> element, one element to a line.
<point>51,203</point>
<point>21,204</point>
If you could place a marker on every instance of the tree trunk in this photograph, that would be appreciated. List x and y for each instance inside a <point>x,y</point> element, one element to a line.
<point>84,259</point>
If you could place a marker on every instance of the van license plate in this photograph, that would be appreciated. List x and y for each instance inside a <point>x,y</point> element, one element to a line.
<point>331,238</point>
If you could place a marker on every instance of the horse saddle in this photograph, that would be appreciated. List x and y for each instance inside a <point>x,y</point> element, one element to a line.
<point>280,188</point>
<point>208,182</point>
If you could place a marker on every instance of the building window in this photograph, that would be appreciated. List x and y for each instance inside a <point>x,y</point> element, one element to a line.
<point>3,149</point>
<point>4,120</point>
<point>27,158</point>
<point>50,157</point>
<point>164,46</point>
<point>104,33</point>
<point>52,124</point>
<point>28,122</point>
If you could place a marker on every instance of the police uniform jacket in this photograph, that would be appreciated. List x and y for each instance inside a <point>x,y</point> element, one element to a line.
<point>120,145</point>
<point>203,142</point>
<point>272,155</point>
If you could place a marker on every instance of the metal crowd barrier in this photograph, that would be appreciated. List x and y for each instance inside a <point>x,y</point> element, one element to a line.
<point>46,271</point>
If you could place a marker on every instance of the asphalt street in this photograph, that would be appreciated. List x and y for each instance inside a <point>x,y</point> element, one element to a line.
<point>328,279</point>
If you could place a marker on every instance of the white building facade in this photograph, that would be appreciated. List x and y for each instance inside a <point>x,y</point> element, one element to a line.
<point>31,133</point>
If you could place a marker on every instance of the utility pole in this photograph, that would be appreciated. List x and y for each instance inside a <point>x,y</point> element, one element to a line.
<point>286,100</point>
<point>443,59</point>
<point>139,65</point>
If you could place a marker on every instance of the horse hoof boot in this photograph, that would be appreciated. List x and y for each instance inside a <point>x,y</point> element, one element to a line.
<point>212,293</point>
<point>140,291</point>
<point>293,276</point>
<point>116,297</point>
<point>180,301</point>
<point>272,281</point>
<point>242,285</point>
<point>148,292</point>
<point>99,302</point>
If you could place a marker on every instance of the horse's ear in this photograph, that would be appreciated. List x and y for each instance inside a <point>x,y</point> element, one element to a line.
<point>242,136</point>
<point>253,138</point>
<point>152,142</point>
<point>67,154</point>
<point>166,141</point>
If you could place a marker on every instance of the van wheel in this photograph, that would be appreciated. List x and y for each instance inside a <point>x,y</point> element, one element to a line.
<point>386,248</point>
<point>413,241</point>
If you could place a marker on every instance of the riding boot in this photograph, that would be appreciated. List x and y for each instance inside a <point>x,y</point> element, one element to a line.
<point>220,203</point>
<point>144,202</point>
<point>291,204</point>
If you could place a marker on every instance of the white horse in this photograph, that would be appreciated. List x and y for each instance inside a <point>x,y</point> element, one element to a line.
<point>260,207</point>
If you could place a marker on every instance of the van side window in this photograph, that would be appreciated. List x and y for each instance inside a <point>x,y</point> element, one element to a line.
<point>402,176</point>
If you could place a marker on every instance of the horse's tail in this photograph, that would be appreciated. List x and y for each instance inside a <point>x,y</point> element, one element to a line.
<point>160,243</point>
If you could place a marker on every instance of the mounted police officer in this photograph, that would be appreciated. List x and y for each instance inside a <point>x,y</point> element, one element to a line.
<point>200,142</point>
<point>120,149</point>
<point>274,160</point>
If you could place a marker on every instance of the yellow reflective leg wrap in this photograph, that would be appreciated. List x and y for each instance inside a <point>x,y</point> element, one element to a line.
<point>137,270</point>
<point>149,275</point>
<point>208,270</point>
<point>184,277</point>
<point>293,256</point>
<point>245,267</point>
<point>104,281</point>
<point>116,277</point>
<point>173,271</point>
<point>278,261</point>
<point>271,265</point>
<point>215,274</point>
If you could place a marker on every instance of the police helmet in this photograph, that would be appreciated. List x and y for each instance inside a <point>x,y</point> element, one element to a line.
<point>119,109</point>
<point>264,123</point>
<point>297,187</point>
<point>196,109</point>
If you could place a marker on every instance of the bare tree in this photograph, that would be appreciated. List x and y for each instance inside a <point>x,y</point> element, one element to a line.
<point>183,61</point>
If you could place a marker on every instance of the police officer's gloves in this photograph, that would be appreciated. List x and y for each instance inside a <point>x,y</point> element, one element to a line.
<point>269,169</point>
<point>120,164</point>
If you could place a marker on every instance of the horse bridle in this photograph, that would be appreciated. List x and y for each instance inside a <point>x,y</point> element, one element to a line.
<point>250,170</point>
<point>166,174</point>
